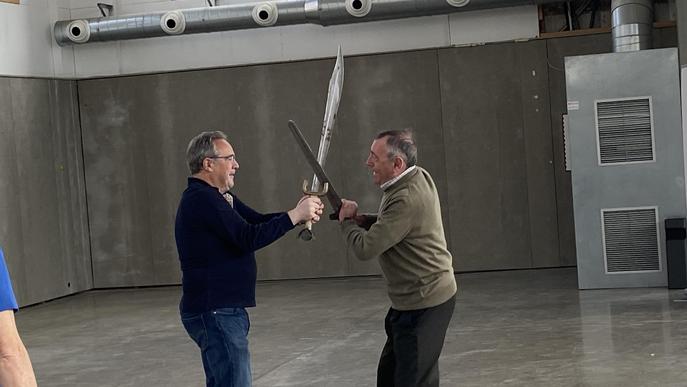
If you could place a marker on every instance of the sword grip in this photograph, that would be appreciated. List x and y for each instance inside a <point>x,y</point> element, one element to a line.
<point>306,232</point>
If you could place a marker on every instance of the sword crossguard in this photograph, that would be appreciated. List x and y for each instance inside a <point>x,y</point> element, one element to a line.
<point>306,232</point>
<point>322,192</point>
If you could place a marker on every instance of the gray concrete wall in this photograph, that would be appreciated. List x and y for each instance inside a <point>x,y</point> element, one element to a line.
<point>43,217</point>
<point>501,204</point>
<point>488,125</point>
<point>483,129</point>
<point>487,120</point>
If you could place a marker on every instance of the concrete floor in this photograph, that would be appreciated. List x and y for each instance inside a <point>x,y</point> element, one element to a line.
<point>517,328</point>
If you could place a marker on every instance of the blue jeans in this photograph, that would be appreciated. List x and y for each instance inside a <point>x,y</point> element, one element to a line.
<point>222,335</point>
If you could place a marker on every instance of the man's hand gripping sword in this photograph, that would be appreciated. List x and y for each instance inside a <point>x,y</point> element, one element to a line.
<point>306,232</point>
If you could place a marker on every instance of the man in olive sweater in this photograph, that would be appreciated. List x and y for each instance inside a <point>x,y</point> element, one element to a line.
<point>408,237</point>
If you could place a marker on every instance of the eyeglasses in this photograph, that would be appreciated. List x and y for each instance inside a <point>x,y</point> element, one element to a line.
<point>225,158</point>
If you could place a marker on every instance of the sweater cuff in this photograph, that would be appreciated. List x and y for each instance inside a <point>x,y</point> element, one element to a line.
<point>285,220</point>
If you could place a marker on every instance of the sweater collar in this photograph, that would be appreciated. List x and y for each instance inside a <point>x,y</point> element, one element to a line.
<point>393,181</point>
<point>196,181</point>
<point>200,182</point>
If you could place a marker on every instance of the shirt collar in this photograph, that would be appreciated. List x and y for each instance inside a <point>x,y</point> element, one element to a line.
<point>395,179</point>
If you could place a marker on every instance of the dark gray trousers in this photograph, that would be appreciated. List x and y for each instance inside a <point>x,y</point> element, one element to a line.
<point>410,357</point>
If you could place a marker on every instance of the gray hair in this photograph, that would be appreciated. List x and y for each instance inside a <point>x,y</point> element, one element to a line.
<point>401,143</point>
<point>201,147</point>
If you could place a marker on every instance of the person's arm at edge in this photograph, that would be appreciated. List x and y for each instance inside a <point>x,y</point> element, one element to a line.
<point>15,364</point>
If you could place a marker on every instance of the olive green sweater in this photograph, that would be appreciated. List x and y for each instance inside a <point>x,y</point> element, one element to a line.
<point>408,237</point>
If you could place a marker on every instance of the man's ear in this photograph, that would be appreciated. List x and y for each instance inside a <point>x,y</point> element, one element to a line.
<point>399,163</point>
<point>207,164</point>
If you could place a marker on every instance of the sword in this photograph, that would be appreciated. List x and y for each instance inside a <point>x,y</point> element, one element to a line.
<point>333,197</point>
<point>332,106</point>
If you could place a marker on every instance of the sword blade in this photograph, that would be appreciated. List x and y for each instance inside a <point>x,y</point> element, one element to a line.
<point>331,108</point>
<point>332,196</point>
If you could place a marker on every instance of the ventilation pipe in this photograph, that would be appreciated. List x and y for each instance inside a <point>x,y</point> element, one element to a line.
<point>265,14</point>
<point>78,31</point>
<point>632,24</point>
<point>257,15</point>
<point>173,23</point>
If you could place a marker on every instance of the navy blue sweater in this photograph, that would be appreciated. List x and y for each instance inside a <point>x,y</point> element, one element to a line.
<point>216,245</point>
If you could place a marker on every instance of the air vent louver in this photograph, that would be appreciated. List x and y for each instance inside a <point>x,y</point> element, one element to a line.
<point>625,131</point>
<point>631,240</point>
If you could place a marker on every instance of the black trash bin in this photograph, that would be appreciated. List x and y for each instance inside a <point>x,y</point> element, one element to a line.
<point>675,251</point>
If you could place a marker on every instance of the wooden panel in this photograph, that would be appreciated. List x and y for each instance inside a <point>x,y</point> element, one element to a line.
<point>541,182</point>
<point>486,161</point>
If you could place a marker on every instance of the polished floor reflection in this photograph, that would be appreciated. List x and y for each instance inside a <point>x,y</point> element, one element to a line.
<point>513,328</point>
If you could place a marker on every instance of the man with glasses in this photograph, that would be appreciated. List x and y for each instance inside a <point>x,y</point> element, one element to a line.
<point>408,237</point>
<point>216,236</point>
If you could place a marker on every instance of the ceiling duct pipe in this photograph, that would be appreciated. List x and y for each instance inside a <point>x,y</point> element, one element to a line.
<point>261,14</point>
<point>632,24</point>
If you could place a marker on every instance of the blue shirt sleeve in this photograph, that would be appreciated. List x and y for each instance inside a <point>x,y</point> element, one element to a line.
<point>233,228</point>
<point>7,300</point>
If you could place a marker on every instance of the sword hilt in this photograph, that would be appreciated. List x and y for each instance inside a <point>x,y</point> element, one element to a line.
<point>306,233</point>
